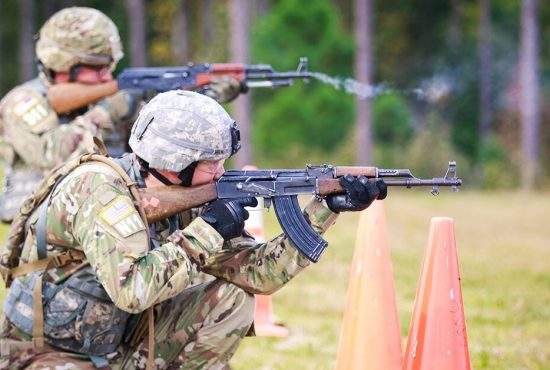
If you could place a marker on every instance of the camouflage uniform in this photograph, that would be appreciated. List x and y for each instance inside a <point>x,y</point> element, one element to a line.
<point>197,326</point>
<point>35,138</point>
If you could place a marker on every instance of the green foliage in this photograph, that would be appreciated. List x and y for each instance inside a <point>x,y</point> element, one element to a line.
<point>313,116</point>
<point>497,170</point>
<point>431,149</point>
<point>392,130</point>
<point>392,120</point>
<point>464,114</point>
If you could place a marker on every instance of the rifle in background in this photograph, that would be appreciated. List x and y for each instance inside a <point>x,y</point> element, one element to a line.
<point>66,97</point>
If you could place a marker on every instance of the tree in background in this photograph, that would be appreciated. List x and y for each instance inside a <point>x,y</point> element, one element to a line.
<point>26,40</point>
<point>529,92</point>
<point>364,66</point>
<point>180,44</point>
<point>485,70</point>
<point>306,122</point>
<point>207,20</point>
<point>136,16</point>
<point>239,24</point>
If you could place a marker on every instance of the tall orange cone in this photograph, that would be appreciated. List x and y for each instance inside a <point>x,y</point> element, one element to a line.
<point>265,324</point>
<point>437,337</point>
<point>370,338</point>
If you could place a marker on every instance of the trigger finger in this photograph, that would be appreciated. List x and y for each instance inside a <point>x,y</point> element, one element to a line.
<point>248,202</point>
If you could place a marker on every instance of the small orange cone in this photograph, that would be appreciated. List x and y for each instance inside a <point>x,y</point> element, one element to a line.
<point>265,324</point>
<point>437,337</point>
<point>370,336</point>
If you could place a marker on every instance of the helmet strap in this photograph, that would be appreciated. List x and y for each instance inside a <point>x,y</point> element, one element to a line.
<point>186,175</point>
<point>73,73</point>
<point>157,175</point>
<point>48,73</point>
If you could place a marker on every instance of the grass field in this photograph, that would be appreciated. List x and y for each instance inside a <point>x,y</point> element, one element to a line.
<point>504,251</point>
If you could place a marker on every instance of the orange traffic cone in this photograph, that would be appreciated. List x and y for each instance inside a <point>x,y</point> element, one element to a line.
<point>437,337</point>
<point>264,319</point>
<point>370,336</point>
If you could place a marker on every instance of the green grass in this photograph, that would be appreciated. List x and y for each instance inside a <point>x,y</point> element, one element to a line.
<point>504,250</point>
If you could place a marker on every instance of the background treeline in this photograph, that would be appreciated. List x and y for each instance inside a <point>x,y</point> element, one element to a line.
<point>452,70</point>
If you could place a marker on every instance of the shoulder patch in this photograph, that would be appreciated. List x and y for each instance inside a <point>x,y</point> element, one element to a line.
<point>122,216</point>
<point>32,109</point>
<point>106,197</point>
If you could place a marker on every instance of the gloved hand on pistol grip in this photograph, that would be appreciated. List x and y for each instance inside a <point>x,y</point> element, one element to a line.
<point>227,216</point>
<point>360,192</point>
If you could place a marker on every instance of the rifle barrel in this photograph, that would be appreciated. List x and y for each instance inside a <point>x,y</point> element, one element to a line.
<point>409,183</point>
<point>277,75</point>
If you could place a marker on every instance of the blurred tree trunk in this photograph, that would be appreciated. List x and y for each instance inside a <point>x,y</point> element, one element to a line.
<point>26,40</point>
<point>49,8</point>
<point>239,23</point>
<point>263,7</point>
<point>363,73</point>
<point>207,21</point>
<point>455,28</point>
<point>180,44</point>
<point>135,10</point>
<point>529,92</point>
<point>68,3</point>
<point>485,55</point>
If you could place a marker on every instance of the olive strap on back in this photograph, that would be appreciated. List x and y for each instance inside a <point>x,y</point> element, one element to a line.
<point>132,186</point>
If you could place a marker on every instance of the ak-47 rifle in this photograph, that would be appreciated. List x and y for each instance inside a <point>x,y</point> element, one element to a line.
<point>281,187</point>
<point>66,97</point>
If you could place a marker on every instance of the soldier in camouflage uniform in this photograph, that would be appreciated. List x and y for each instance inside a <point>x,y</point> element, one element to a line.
<point>181,138</point>
<point>79,44</point>
<point>74,45</point>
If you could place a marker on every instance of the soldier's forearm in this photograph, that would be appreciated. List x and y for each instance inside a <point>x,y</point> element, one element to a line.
<point>166,271</point>
<point>264,268</point>
<point>319,215</point>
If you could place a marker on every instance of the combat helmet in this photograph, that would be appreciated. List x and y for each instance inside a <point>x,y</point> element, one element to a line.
<point>78,35</point>
<point>179,128</point>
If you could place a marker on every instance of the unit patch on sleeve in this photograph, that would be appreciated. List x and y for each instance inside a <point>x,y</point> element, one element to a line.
<point>122,216</point>
<point>31,108</point>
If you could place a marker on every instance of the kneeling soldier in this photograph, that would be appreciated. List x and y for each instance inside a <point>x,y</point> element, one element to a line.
<point>85,265</point>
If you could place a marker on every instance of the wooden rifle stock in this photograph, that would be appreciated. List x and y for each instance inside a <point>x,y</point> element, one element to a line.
<point>163,202</point>
<point>332,186</point>
<point>66,97</point>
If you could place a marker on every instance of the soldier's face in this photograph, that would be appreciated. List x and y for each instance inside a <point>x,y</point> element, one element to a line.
<point>207,172</point>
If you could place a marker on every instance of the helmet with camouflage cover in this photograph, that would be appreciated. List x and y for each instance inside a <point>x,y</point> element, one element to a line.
<point>78,35</point>
<point>178,128</point>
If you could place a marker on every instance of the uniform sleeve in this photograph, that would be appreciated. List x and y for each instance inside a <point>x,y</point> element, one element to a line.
<point>263,268</point>
<point>32,129</point>
<point>115,241</point>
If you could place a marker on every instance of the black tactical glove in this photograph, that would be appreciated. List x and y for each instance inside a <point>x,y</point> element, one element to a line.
<point>360,193</point>
<point>227,216</point>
